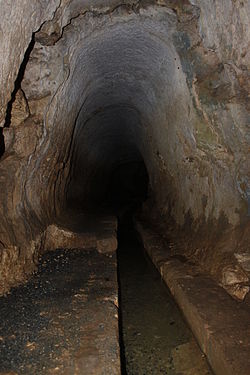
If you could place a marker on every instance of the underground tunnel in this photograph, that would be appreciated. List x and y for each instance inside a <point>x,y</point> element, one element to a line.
<point>125,179</point>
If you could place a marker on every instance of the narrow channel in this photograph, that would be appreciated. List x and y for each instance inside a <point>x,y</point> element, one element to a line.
<point>155,337</point>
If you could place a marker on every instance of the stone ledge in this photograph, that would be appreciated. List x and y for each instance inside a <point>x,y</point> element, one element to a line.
<point>61,238</point>
<point>102,236</point>
<point>219,323</point>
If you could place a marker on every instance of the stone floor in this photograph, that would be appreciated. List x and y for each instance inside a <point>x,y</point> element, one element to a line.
<point>58,323</point>
<point>65,319</point>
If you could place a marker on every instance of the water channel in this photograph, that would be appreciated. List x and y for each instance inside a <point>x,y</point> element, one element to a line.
<point>155,337</point>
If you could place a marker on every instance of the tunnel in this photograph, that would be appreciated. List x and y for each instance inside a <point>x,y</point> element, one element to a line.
<point>124,128</point>
<point>123,100</point>
<point>108,171</point>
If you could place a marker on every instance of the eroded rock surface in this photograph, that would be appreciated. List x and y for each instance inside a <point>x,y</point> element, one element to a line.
<point>102,81</point>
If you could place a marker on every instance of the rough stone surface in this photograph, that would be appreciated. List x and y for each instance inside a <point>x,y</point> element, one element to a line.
<point>224,269</point>
<point>60,238</point>
<point>16,39</point>
<point>100,235</point>
<point>58,323</point>
<point>96,83</point>
<point>106,245</point>
<point>220,324</point>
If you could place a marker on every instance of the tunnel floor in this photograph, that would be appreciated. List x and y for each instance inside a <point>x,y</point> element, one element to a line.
<point>156,339</point>
<point>59,322</point>
<point>65,319</point>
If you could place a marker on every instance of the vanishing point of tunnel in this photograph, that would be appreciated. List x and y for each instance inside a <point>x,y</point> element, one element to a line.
<point>124,187</point>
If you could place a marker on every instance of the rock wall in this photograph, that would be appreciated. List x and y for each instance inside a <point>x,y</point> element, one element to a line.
<point>169,78</point>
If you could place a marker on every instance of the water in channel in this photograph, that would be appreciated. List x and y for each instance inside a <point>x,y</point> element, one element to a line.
<point>155,337</point>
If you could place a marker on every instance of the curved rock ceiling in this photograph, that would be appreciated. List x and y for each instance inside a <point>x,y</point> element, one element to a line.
<point>102,83</point>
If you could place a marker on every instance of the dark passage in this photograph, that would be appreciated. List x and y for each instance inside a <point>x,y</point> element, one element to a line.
<point>156,339</point>
<point>127,189</point>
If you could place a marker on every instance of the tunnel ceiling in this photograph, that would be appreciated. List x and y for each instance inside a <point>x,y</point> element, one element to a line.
<point>89,85</point>
<point>127,64</point>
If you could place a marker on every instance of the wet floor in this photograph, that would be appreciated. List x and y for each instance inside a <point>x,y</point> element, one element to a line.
<point>156,339</point>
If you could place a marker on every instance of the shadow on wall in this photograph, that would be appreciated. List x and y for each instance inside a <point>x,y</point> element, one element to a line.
<point>2,144</point>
